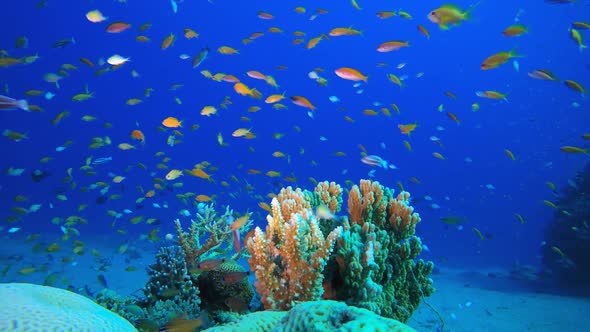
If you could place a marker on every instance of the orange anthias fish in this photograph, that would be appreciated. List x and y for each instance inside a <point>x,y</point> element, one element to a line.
<point>168,41</point>
<point>171,122</point>
<point>514,30</point>
<point>303,102</point>
<point>241,221</point>
<point>498,59</point>
<point>351,74</point>
<point>233,277</point>
<point>393,45</point>
<point>491,95</point>
<point>407,129</point>
<point>185,325</point>
<point>138,135</point>
<point>117,27</point>
<point>449,14</point>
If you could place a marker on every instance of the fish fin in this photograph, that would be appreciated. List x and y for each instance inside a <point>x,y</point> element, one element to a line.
<point>467,13</point>
<point>23,105</point>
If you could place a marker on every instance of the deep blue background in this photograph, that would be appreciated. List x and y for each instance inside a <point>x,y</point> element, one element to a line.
<point>537,120</point>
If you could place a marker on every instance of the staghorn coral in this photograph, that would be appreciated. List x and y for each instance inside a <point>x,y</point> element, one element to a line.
<point>288,259</point>
<point>375,256</point>
<point>216,231</point>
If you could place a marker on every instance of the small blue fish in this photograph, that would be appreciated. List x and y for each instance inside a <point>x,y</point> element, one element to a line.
<point>516,65</point>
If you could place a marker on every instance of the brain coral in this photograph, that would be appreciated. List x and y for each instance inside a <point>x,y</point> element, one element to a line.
<point>324,316</point>
<point>29,307</point>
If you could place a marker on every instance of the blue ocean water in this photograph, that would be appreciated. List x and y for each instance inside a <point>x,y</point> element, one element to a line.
<point>476,180</point>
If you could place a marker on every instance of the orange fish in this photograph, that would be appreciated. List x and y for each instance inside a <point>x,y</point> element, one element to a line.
<point>453,117</point>
<point>514,30</point>
<point>190,33</point>
<point>210,264</point>
<point>117,27</point>
<point>241,221</point>
<point>236,239</point>
<point>449,14</point>
<point>227,50</point>
<point>171,122</point>
<point>256,74</point>
<point>138,135</point>
<point>351,74</point>
<point>303,102</point>
<point>491,94</point>
<point>203,198</point>
<point>337,32</point>
<point>265,15</point>
<point>498,59</point>
<point>185,325</point>
<point>168,41</point>
<point>385,14</point>
<point>264,206</point>
<point>392,46</point>
<point>423,31</point>
<point>200,173</point>
<point>233,277</point>
<point>407,129</point>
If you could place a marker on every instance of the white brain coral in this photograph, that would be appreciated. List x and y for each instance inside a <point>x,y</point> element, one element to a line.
<point>32,308</point>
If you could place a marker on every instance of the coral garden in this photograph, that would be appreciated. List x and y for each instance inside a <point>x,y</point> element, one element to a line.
<point>314,268</point>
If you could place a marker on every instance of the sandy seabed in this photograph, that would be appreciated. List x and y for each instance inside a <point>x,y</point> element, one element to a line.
<point>469,300</point>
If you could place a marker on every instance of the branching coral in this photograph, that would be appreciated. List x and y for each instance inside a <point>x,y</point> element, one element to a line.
<point>288,259</point>
<point>215,230</point>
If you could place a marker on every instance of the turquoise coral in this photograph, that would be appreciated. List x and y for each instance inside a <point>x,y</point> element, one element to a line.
<point>376,254</point>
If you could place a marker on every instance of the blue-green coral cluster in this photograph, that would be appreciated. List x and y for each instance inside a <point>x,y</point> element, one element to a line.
<point>377,251</point>
<point>170,292</point>
<point>374,262</point>
<point>170,286</point>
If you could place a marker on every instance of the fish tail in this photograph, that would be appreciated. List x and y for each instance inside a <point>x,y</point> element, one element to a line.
<point>467,13</point>
<point>23,105</point>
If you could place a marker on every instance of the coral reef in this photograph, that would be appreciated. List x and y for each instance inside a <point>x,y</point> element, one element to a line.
<point>567,237</point>
<point>374,262</point>
<point>288,259</point>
